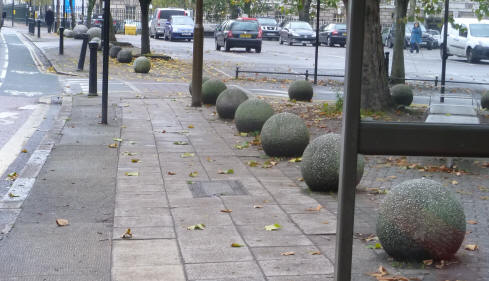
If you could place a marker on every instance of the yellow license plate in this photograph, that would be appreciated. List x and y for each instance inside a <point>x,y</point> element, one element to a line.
<point>245,36</point>
<point>344,34</point>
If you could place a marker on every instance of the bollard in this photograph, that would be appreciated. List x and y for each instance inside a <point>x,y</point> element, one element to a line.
<point>92,76</point>
<point>237,72</point>
<point>387,64</point>
<point>436,81</point>
<point>61,31</point>
<point>307,75</point>
<point>38,28</point>
<point>83,52</point>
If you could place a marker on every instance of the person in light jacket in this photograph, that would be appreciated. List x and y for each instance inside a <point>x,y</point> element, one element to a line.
<point>416,35</point>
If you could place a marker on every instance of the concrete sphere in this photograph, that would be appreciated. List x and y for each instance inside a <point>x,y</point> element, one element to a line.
<point>68,33</point>
<point>142,65</point>
<point>321,163</point>
<point>402,94</point>
<point>252,114</point>
<point>301,90</point>
<point>204,79</point>
<point>485,100</point>
<point>228,101</point>
<point>211,89</point>
<point>284,135</point>
<point>114,51</point>
<point>80,29</point>
<point>421,219</point>
<point>94,32</point>
<point>124,56</point>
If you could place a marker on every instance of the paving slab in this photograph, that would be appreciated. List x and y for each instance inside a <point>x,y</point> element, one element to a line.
<point>452,119</point>
<point>453,109</point>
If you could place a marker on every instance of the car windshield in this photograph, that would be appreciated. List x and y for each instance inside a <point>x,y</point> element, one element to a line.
<point>410,25</point>
<point>245,25</point>
<point>341,26</point>
<point>267,22</point>
<point>183,20</point>
<point>479,30</point>
<point>300,25</point>
<point>166,14</point>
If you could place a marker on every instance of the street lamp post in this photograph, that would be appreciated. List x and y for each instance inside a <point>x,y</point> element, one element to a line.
<point>444,57</point>
<point>318,10</point>
<point>198,56</point>
<point>13,12</point>
<point>105,59</point>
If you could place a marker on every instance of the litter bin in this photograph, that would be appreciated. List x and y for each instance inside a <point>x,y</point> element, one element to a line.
<point>130,29</point>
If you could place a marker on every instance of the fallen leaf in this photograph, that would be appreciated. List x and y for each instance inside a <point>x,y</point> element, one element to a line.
<point>132,174</point>
<point>287,253</point>
<point>471,222</point>
<point>269,164</point>
<point>243,134</point>
<point>315,253</point>
<point>273,227</point>
<point>24,150</point>
<point>193,174</point>
<point>252,163</point>
<point>191,126</point>
<point>180,143</point>
<point>113,145</point>
<point>11,195</point>
<point>117,139</point>
<point>199,226</point>
<point>300,179</point>
<point>317,209</point>
<point>471,247</point>
<point>62,222</point>
<point>127,234</point>
<point>454,182</point>
<point>483,188</point>
<point>171,173</point>
<point>12,176</point>
<point>242,145</point>
<point>135,160</point>
<point>257,206</point>
<point>129,153</point>
<point>484,197</point>
<point>226,211</point>
<point>428,262</point>
<point>295,160</point>
<point>227,172</point>
<point>187,154</point>
<point>236,245</point>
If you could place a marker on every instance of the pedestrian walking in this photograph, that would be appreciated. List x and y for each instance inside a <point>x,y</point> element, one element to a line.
<point>416,35</point>
<point>49,19</point>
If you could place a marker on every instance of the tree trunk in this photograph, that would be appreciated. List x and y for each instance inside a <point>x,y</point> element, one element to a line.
<point>304,10</point>
<point>58,21</point>
<point>111,29</point>
<point>412,10</point>
<point>91,4</point>
<point>398,72</point>
<point>145,47</point>
<point>375,88</point>
<point>73,20</point>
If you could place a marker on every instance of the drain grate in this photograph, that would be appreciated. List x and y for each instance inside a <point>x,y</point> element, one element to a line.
<point>216,188</point>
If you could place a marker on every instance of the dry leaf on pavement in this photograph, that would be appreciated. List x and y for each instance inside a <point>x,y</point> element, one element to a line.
<point>236,245</point>
<point>288,253</point>
<point>62,222</point>
<point>113,145</point>
<point>127,234</point>
<point>317,209</point>
<point>471,247</point>
<point>471,222</point>
<point>226,211</point>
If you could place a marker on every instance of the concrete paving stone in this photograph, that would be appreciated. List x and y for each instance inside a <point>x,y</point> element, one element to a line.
<point>138,188</point>
<point>155,252</point>
<point>301,278</point>
<point>249,215</point>
<point>300,209</point>
<point>141,210</point>
<point>128,196</point>
<point>228,270</point>
<point>161,137</point>
<point>149,273</point>
<point>143,233</point>
<point>453,109</point>
<point>194,215</point>
<point>156,202</point>
<point>264,173</point>
<point>169,146</point>
<point>275,253</point>
<point>234,279</point>
<point>146,179</point>
<point>206,202</point>
<point>326,243</point>
<point>7,218</point>
<point>245,201</point>
<point>452,119</point>
<point>288,198</point>
<point>143,171</point>
<point>143,221</point>
<point>289,235</point>
<point>321,222</point>
<point>295,266</point>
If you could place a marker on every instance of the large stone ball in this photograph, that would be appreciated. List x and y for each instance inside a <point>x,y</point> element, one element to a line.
<point>421,219</point>
<point>321,163</point>
<point>402,94</point>
<point>204,79</point>
<point>211,90</point>
<point>485,100</point>
<point>124,56</point>
<point>142,65</point>
<point>114,51</point>
<point>94,32</point>
<point>284,135</point>
<point>80,29</point>
<point>228,101</point>
<point>252,114</point>
<point>301,90</point>
<point>68,33</point>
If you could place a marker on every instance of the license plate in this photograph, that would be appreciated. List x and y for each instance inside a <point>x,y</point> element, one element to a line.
<point>245,36</point>
<point>344,34</point>
<point>186,34</point>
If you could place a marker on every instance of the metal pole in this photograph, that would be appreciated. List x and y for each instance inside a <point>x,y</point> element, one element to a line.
<point>38,28</point>
<point>13,12</point>
<point>387,63</point>
<point>61,45</point>
<point>83,11</point>
<point>83,52</point>
<point>318,10</point>
<point>349,140</point>
<point>444,58</point>
<point>198,56</point>
<point>105,73</point>
<point>92,75</point>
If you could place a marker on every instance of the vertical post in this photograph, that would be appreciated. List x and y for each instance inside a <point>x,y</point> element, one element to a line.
<point>83,52</point>
<point>436,81</point>
<point>61,45</point>
<point>237,72</point>
<point>13,12</point>
<point>92,75</point>
<point>349,140</point>
<point>445,56</point>
<point>198,56</point>
<point>83,11</point>
<point>38,28</point>
<point>318,10</point>
<point>307,74</point>
<point>105,73</point>
<point>387,64</point>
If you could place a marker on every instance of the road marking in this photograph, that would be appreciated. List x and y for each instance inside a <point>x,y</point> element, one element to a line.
<point>10,151</point>
<point>4,67</point>
<point>220,71</point>
<point>35,58</point>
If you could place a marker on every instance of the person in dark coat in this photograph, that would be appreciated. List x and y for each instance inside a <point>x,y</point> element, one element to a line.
<point>416,36</point>
<point>49,19</point>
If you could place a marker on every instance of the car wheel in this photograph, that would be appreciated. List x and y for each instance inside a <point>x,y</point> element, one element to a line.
<point>429,46</point>
<point>226,46</point>
<point>156,36</point>
<point>290,41</point>
<point>170,37</point>
<point>189,40</point>
<point>218,47</point>
<point>471,58</point>
<point>248,50</point>
<point>330,42</point>
<point>280,41</point>
<point>342,45</point>
<point>258,50</point>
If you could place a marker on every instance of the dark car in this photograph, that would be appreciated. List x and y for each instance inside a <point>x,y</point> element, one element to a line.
<point>333,34</point>
<point>98,21</point>
<point>240,33</point>
<point>269,27</point>
<point>297,32</point>
<point>427,40</point>
<point>179,28</point>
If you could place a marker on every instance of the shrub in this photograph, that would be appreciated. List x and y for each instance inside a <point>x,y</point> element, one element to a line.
<point>485,100</point>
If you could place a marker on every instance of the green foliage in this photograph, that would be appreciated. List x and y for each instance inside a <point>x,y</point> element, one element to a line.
<point>485,100</point>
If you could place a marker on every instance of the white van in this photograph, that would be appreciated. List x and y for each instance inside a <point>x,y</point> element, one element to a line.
<point>468,38</point>
<point>161,17</point>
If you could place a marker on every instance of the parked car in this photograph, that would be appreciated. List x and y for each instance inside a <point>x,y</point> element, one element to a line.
<point>333,34</point>
<point>468,38</point>
<point>427,40</point>
<point>297,32</point>
<point>98,21</point>
<point>385,34</point>
<point>269,27</point>
<point>161,18</point>
<point>240,33</point>
<point>436,35</point>
<point>179,28</point>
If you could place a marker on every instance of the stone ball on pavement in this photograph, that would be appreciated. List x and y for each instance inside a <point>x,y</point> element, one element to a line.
<point>402,94</point>
<point>284,135</point>
<point>421,219</point>
<point>114,51</point>
<point>124,56</point>
<point>228,101</point>
<point>211,89</point>
<point>485,100</point>
<point>94,32</point>
<point>204,79</point>
<point>68,33</point>
<point>252,114</point>
<point>321,163</point>
<point>301,90</point>
<point>80,29</point>
<point>142,65</point>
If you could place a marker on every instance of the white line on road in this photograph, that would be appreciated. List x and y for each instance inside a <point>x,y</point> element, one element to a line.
<point>3,69</point>
<point>34,56</point>
<point>220,71</point>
